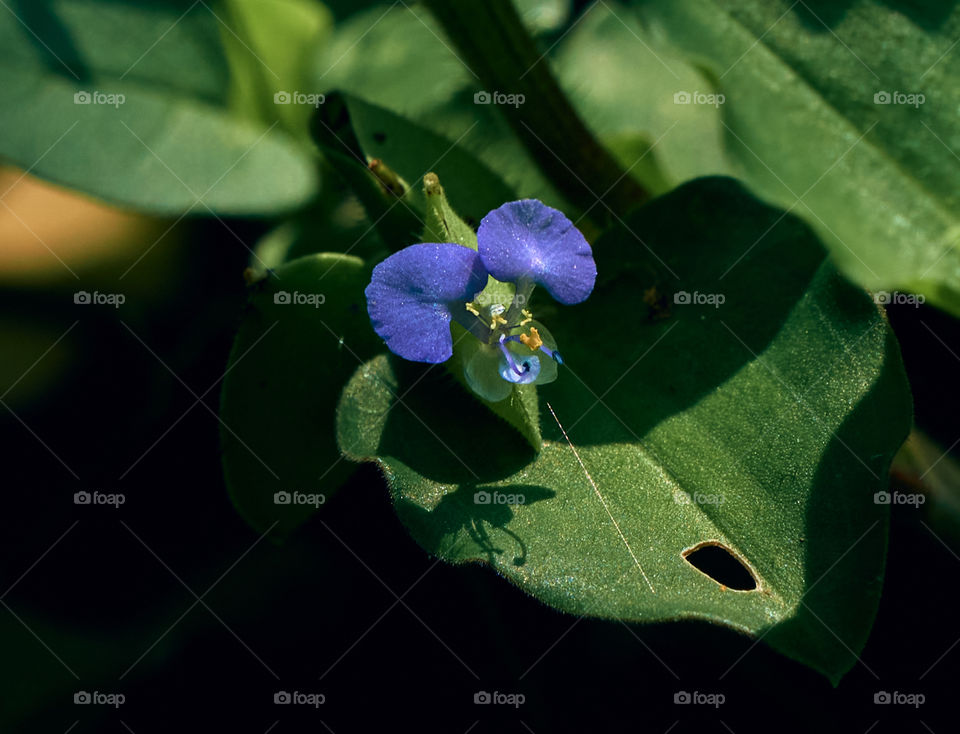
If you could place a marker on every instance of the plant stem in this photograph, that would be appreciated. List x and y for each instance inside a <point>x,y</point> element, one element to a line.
<point>494,44</point>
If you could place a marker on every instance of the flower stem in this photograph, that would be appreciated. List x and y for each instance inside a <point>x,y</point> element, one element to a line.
<point>498,50</point>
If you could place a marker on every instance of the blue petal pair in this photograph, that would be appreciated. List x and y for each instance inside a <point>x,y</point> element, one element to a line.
<point>415,294</point>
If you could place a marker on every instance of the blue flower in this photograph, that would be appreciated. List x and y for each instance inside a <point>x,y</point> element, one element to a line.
<point>526,240</point>
<point>416,294</point>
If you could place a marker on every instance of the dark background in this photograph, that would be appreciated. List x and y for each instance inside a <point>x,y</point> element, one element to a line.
<point>107,607</point>
<point>304,616</point>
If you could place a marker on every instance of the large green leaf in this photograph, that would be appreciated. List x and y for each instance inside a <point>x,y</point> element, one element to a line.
<point>155,132</point>
<point>286,369</point>
<point>784,405</point>
<point>880,183</point>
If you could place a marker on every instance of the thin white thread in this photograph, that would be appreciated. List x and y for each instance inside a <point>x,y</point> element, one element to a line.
<point>602,500</point>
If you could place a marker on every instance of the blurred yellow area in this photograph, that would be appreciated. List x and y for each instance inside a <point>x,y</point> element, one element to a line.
<point>49,235</point>
<point>53,243</point>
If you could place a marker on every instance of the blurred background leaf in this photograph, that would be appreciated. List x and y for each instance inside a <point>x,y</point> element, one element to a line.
<point>879,182</point>
<point>267,43</point>
<point>170,143</point>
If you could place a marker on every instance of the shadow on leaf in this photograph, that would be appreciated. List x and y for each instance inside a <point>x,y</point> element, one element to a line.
<point>477,511</point>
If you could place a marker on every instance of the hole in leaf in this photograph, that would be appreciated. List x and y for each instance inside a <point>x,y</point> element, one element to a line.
<point>715,560</point>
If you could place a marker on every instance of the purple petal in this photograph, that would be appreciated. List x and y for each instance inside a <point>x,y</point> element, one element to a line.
<point>528,239</point>
<point>411,293</point>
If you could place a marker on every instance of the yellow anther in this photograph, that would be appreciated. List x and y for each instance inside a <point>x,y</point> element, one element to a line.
<point>472,309</point>
<point>498,319</point>
<point>528,317</point>
<point>532,340</point>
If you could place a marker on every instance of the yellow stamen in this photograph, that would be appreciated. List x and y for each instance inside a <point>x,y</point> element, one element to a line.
<point>528,317</point>
<point>498,319</point>
<point>472,309</point>
<point>532,340</point>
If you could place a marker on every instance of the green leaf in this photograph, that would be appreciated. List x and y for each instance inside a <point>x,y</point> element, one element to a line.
<point>413,151</point>
<point>543,16</point>
<point>285,372</point>
<point>396,212</point>
<point>764,424</point>
<point>878,182</point>
<point>155,133</point>
<point>623,84</point>
<point>364,60</point>
<point>269,44</point>
<point>385,54</point>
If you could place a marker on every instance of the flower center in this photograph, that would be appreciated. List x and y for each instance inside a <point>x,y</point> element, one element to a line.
<point>522,370</point>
